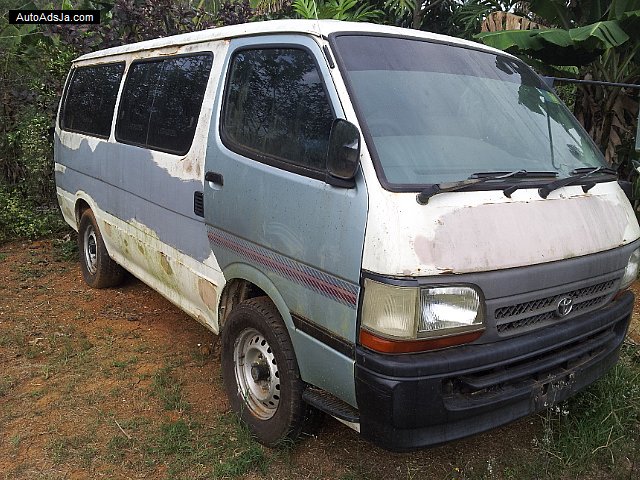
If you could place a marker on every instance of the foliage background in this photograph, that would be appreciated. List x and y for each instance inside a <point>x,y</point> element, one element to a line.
<point>604,424</point>
<point>34,61</point>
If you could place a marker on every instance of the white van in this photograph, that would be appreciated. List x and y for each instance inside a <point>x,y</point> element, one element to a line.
<point>407,231</point>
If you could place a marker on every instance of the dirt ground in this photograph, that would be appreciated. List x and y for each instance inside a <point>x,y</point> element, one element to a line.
<point>85,377</point>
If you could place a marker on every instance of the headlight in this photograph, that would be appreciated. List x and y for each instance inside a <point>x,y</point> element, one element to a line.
<point>631,272</point>
<point>445,308</point>
<point>406,319</point>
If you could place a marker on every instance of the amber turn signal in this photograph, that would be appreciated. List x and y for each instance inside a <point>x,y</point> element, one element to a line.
<point>385,345</point>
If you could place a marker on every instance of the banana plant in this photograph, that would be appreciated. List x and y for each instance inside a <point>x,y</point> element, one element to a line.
<point>572,42</point>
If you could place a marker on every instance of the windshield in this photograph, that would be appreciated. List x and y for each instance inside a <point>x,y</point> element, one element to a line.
<point>437,113</point>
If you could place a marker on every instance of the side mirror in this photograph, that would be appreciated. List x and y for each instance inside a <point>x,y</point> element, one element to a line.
<point>344,153</point>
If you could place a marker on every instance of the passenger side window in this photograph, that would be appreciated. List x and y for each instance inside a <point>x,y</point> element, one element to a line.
<point>161,102</point>
<point>276,108</point>
<point>91,98</point>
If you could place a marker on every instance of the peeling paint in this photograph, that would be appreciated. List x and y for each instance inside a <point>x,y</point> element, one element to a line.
<point>67,209</point>
<point>208,293</point>
<point>495,236</point>
<point>143,228</point>
<point>480,231</point>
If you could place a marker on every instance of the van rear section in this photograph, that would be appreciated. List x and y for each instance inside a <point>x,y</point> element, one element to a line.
<point>406,231</point>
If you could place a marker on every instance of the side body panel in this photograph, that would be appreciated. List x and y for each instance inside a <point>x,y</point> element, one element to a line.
<point>144,203</point>
<point>304,235</point>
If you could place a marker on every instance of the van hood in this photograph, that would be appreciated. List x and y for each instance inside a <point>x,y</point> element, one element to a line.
<point>464,232</point>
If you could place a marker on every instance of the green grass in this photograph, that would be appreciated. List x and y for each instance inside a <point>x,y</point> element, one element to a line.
<point>66,248</point>
<point>6,383</point>
<point>232,442</point>
<point>169,389</point>
<point>68,348</point>
<point>125,363</point>
<point>219,448</point>
<point>596,431</point>
<point>175,439</point>
<point>15,440</point>
<point>606,419</point>
<point>224,449</point>
<point>63,448</point>
<point>117,447</point>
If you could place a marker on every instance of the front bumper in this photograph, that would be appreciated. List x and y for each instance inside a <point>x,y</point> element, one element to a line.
<point>425,399</point>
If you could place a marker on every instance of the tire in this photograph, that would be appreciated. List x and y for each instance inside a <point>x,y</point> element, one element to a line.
<point>98,269</point>
<point>266,393</point>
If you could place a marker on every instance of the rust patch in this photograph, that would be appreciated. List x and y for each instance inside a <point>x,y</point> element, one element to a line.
<point>140,248</point>
<point>164,263</point>
<point>106,227</point>
<point>188,166</point>
<point>171,52</point>
<point>208,293</point>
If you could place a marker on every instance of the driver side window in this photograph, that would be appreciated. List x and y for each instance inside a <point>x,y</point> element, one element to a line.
<point>276,109</point>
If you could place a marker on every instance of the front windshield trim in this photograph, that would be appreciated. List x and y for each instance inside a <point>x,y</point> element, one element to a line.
<point>419,187</point>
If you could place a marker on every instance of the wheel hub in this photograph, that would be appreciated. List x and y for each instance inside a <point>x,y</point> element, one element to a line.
<point>90,250</point>
<point>257,373</point>
<point>260,372</point>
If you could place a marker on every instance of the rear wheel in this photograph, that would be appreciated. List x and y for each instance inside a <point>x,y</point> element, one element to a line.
<point>260,372</point>
<point>98,269</point>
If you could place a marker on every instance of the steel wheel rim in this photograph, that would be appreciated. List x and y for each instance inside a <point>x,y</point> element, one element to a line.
<point>256,373</point>
<point>90,250</point>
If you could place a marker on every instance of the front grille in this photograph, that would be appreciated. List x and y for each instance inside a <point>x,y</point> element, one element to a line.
<point>511,319</point>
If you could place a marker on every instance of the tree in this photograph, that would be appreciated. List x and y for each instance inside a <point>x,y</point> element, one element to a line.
<point>432,15</point>
<point>36,60</point>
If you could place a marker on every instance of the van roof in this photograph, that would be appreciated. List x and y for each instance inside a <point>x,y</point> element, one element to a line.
<point>318,28</point>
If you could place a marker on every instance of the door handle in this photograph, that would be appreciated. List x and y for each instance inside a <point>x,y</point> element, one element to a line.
<point>214,177</point>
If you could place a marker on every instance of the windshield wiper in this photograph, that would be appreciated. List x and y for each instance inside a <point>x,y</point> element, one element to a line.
<point>578,174</point>
<point>480,177</point>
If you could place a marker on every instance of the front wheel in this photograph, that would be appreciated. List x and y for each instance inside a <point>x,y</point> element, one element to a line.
<point>260,372</point>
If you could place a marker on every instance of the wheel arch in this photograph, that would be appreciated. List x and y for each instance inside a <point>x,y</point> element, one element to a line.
<point>243,282</point>
<point>83,203</point>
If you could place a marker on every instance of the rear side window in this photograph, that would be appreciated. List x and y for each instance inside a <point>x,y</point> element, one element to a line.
<point>91,98</point>
<point>276,109</point>
<point>161,102</point>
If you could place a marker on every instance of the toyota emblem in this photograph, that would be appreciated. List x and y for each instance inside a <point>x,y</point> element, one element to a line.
<point>564,306</point>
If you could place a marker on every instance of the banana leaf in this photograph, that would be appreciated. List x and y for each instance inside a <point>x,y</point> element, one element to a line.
<point>630,22</point>
<point>576,46</point>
